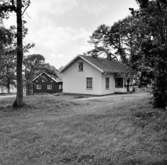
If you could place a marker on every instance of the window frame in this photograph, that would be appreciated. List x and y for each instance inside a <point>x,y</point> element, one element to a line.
<point>60,86</point>
<point>117,85</point>
<point>89,83</point>
<point>107,83</point>
<point>38,86</point>
<point>49,86</point>
<point>80,66</point>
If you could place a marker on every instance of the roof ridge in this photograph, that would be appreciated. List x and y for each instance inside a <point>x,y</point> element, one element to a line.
<point>101,64</point>
<point>49,75</point>
<point>102,58</point>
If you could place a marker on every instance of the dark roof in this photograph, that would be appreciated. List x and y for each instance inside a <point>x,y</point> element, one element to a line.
<point>54,78</point>
<point>102,64</point>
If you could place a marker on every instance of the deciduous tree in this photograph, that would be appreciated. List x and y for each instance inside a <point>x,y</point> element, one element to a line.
<point>154,15</point>
<point>32,64</point>
<point>19,7</point>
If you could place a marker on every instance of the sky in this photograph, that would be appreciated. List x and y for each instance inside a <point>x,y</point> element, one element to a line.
<point>61,29</point>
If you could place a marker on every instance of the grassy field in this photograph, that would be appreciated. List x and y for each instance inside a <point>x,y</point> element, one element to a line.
<point>54,130</point>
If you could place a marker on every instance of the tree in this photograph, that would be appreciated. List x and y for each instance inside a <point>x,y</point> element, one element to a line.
<point>5,39</point>
<point>32,64</point>
<point>126,39</point>
<point>51,70</point>
<point>8,67</point>
<point>6,58</point>
<point>118,40</point>
<point>19,7</point>
<point>154,15</point>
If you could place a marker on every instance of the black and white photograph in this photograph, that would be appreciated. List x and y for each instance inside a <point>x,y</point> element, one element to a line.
<point>83,82</point>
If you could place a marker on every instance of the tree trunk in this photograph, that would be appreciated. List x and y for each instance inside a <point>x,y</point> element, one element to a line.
<point>8,86</point>
<point>19,98</point>
<point>128,82</point>
<point>7,79</point>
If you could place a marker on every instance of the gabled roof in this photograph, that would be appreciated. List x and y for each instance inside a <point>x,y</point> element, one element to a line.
<point>56,79</point>
<point>101,64</point>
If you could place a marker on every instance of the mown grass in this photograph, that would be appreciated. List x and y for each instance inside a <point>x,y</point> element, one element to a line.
<point>53,131</point>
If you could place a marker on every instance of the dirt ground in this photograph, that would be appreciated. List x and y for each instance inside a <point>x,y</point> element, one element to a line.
<point>68,130</point>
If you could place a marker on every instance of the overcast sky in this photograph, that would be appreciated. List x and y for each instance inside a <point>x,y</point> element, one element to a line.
<point>60,29</point>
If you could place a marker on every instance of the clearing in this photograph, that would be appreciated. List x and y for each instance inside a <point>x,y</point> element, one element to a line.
<point>66,130</point>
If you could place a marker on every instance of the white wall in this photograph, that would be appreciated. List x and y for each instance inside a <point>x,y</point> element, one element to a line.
<point>75,81</point>
<point>111,85</point>
<point>112,88</point>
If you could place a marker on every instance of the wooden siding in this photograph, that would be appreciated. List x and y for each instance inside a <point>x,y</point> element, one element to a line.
<point>43,80</point>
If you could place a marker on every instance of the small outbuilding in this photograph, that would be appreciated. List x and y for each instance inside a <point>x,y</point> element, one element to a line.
<point>45,83</point>
<point>94,76</point>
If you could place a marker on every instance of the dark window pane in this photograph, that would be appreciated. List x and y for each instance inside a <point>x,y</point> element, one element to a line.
<point>89,82</point>
<point>107,82</point>
<point>118,82</point>
<point>80,66</point>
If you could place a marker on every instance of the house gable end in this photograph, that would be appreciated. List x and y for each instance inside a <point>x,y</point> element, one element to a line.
<point>84,60</point>
<point>42,78</point>
<point>45,77</point>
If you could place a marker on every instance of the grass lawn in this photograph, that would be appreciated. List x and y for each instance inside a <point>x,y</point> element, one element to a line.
<point>52,130</point>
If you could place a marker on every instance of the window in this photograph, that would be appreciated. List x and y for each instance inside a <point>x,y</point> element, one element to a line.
<point>49,86</point>
<point>107,82</point>
<point>89,82</point>
<point>118,82</point>
<point>38,86</point>
<point>60,86</point>
<point>80,66</point>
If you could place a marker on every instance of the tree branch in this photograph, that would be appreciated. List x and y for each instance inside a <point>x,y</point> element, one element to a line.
<point>26,8</point>
<point>6,8</point>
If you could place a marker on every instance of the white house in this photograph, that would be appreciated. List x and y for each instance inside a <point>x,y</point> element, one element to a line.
<point>95,76</point>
